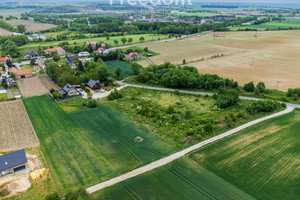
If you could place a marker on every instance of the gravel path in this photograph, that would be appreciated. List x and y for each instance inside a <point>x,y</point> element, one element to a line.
<point>179,154</point>
<point>192,92</point>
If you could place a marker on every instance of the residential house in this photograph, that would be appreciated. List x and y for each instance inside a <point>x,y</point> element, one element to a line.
<point>16,34</point>
<point>23,73</point>
<point>10,82</point>
<point>3,60</point>
<point>13,69</point>
<point>93,84</point>
<point>84,54</point>
<point>204,21</point>
<point>1,70</point>
<point>41,63</point>
<point>36,37</point>
<point>134,55</point>
<point>93,44</point>
<point>12,162</point>
<point>71,64</point>
<point>102,51</point>
<point>58,50</point>
<point>69,90</point>
<point>103,45</point>
<point>31,54</point>
<point>84,60</point>
<point>70,58</point>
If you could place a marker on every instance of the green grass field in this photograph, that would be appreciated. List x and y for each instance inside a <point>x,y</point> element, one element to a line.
<point>3,97</point>
<point>92,145</point>
<point>287,23</point>
<point>262,160</point>
<point>181,179</point>
<point>125,67</point>
<point>110,42</point>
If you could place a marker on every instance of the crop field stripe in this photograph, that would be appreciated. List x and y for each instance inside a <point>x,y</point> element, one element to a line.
<point>189,182</point>
<point>83,148</point>
<point>133,155</point>
<point>131,191</point>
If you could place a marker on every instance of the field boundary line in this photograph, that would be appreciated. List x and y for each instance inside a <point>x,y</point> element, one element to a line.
<point>166,160</point>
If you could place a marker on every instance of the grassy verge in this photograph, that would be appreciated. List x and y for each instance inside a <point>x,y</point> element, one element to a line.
<point>183,119</point>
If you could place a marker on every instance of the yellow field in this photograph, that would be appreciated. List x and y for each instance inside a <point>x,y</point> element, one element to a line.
<point>30,25</point>
<point>272,57</point>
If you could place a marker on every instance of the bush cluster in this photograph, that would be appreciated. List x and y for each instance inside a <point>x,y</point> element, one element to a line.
<point>169,75</point>
<point>263,106</point>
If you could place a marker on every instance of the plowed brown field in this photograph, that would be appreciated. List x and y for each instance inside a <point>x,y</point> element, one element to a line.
<point>16,130</point>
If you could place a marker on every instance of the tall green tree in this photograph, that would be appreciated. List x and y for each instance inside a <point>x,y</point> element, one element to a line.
<point>123,40</point>
<point>21,28</point>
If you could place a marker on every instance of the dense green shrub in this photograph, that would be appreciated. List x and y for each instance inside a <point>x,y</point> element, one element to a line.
<point>263,106</point>
<point>115,94</point>
<point>91,103</point>
<point>249,87</point>
<point>226,98</point>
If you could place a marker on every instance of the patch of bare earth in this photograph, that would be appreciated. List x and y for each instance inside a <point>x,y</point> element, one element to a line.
<point>32,87</point>
<point>16,130</point>
<point>13,184</point>
<point>48,83</point>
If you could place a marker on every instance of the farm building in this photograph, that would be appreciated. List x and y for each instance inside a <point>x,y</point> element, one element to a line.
<point>102,51</point>
<point>58,50</point>
<point>68,90</point>
<point>23,73</point>
<point>134,55</point>
<point>3,60</point>
<point>12,162</point>
<point>31,54</point>
<point>84,54</point>
<point>93,44</point>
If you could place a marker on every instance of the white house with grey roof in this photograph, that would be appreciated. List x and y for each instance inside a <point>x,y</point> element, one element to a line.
<point>13,162</point>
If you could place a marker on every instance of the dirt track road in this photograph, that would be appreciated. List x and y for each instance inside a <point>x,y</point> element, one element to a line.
<point>179,154</point>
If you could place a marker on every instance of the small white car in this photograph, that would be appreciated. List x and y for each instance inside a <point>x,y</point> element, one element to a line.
<point>102,91</point>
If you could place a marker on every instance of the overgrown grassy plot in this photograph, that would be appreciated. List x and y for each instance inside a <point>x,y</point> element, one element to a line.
<point>180,119</point>
<point>181,179</point>
<point>91,146</point>
<point>125,67</point>
<point>262,160</point>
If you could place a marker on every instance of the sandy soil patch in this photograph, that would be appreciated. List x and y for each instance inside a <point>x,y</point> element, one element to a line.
<point>20,182</point>
<point>32,87</point>
<point>272,56</point>
<point>16,130</point>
